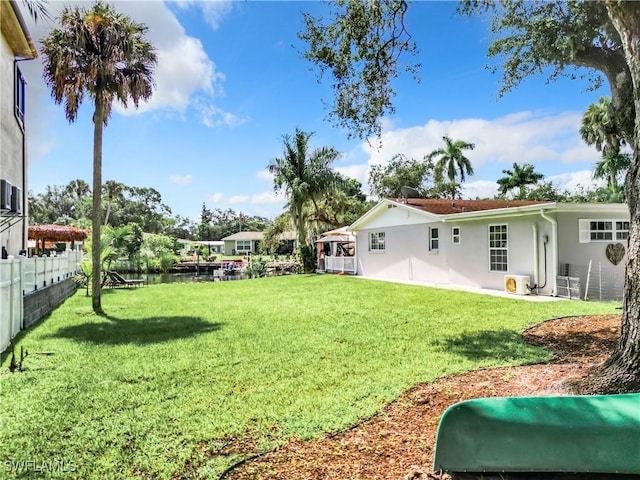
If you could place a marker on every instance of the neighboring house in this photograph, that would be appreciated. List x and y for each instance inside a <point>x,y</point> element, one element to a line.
<point>249,242</point>
<point>15,47</point>
<point>518,246</point>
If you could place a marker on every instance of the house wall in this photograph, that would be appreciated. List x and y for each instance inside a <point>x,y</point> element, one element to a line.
<point>605,280</point>
<point>11,151</point>
<point>407,256</point>
<point>230,247</point>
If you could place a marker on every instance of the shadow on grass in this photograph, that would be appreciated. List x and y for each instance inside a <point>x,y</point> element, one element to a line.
<point>500,345</point>
<point>121,331</point>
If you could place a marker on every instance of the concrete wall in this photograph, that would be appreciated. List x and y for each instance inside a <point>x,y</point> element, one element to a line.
<point>41,302</point>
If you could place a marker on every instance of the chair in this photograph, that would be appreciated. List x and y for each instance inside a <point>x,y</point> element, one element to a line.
<point>114,279</point>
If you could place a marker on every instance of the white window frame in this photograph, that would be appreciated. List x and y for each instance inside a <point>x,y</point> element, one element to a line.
<point>377,242</point>
<point>609,230</point>
<point>455,235</point>
<point>244,243</point>
<point>434,239</point>
<point>501,248</point>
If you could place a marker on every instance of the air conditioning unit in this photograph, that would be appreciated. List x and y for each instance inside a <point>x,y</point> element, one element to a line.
<point>5,195</point>
<point>16,200</point>
<point>517,284</point>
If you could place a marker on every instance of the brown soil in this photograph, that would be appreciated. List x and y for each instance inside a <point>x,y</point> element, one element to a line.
<point>399,442</point>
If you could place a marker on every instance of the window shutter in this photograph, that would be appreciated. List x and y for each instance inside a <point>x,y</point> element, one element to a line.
<point>584,230</point>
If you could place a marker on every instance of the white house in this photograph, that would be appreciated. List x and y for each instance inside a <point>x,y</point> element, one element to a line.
<point>16,46</point>
<point>519,246</point>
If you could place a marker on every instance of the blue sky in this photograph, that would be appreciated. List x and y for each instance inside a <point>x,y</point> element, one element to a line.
<point>230,82</point>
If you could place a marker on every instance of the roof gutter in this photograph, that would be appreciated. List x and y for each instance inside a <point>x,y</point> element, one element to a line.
<point>497,213</point>
<point>554,251</point>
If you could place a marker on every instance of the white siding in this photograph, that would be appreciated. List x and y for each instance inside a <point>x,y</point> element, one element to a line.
<point>407,256</point>
<point>11,147</point>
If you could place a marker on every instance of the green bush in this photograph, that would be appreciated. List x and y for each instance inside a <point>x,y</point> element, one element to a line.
<point>257,268</point>
<point>308,256</point>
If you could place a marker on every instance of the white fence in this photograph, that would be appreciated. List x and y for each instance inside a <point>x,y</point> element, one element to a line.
<point>596,281</point>
<point>340,264</point>
<point>20,276</point>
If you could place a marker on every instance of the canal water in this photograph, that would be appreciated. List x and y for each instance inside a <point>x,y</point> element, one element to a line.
<point>156,278</point>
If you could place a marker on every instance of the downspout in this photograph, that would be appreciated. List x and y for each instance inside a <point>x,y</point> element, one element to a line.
<point>536,259</point>
<point>554,256</point>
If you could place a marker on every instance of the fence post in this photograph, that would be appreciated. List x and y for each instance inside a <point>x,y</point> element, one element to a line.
<point>21,290</point>
<point>586,287</point>
<point>600,279</point>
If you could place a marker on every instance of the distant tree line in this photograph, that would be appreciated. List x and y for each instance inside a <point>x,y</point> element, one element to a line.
<point>71,204</point>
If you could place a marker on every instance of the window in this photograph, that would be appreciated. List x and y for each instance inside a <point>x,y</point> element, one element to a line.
<point>455,235</point>
<point>243,246</point>
<point>376,241</point>
<point>622,230</point>
<point>602,230</point>
<point>434,241</point>
<point>20,88</point>
<point>498,248</point>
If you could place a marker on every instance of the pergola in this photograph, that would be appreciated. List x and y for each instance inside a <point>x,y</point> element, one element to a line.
<point>56,233</point>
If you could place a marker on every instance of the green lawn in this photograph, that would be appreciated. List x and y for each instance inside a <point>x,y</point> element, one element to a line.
<point>176,379</point>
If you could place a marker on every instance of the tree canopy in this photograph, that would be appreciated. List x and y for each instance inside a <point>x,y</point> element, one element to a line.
<point>360,48</point>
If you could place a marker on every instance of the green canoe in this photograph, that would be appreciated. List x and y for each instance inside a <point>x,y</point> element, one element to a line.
<point>574,434</point>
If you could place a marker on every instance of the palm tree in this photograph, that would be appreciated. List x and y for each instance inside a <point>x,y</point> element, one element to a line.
<point>80,190</point>
<point>303,175</point>
<point>37,9</point>
<point>610,168</point>
<point>111,189</point>
<point>451,160</point>
<point>103,54</point>
<point>599,130</point>
<point>519,178</point>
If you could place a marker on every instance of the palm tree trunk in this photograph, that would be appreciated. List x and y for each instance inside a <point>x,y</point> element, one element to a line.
<point>97,200</point>
<point>106,217</point>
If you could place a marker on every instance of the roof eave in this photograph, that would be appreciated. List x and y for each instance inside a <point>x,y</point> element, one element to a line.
<point>372,213</point>
<point>592,207</point>
<point>15,30</point>
<point>499,212</point>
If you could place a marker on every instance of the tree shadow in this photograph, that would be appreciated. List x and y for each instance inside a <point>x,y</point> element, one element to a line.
<point>144,331</point>
<point>498,345</point>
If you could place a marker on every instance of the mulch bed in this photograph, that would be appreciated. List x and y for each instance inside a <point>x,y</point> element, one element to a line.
<point>399,442</point>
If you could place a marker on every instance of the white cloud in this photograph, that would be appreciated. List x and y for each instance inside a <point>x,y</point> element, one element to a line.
<point>181,179</point>
<point>214,11</point>
<point>268,198</point>
<point>265,175</point>
<point>480,189</point>
<point>234,199</point>
<point>221,198</point>
<point>185,77</point>
<point>358,171</point>
<point>213,116</point>
<point>523,137</point>
<point>573,181</point>
<point>214,198</point>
